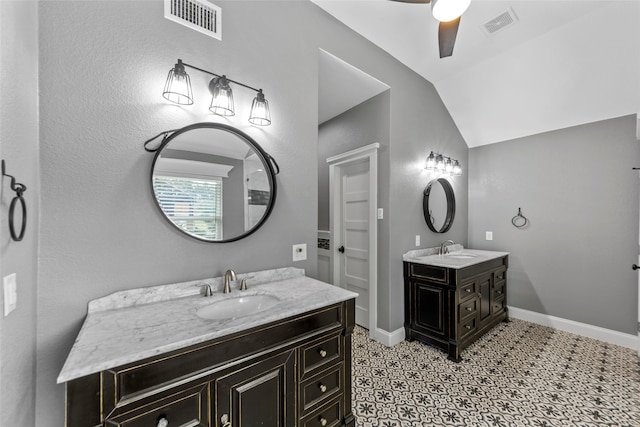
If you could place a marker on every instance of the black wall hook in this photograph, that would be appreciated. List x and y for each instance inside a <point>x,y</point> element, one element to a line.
<point>19,189</point>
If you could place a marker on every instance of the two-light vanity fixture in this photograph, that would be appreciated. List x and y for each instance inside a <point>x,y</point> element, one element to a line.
<point>439,163</point>
<point>178,89</point>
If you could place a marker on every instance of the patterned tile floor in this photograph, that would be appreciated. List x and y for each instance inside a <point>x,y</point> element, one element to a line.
<point>518,374</point>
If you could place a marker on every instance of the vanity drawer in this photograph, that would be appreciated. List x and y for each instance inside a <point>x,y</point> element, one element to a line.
<point>436,274</point>
<point>185,408</point>
<point>467,327</point>
<point>501,274</point>
<point>320,353</point>
<point>468,308</point>
<point>329,415</point>
<point>320,388</point>
<point>467,290</point>
<point>499,306</point>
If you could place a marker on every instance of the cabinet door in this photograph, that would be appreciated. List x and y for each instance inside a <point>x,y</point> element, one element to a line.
<point>429,305</point>
<point>261,393</point>
<point>484,286</point>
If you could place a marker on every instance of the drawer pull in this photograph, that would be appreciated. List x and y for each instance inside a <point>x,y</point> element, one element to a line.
<point>468,290</point>
<point>323,353</point>
<point>499,292</point>
<point>322,420</point>
<point>322,387</point>
<point>224,419</point>
<point>469,309</point>
<point>163,422</point>
<point>468,326</point>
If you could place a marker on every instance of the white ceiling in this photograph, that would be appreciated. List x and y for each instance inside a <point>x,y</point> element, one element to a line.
<point>564,63</point>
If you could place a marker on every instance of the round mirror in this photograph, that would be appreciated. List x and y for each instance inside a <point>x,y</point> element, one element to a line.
<point>439,205</point>
<point>213,182</point>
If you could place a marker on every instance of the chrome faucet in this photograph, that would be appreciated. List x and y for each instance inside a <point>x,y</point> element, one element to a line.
<point>228,275</point>
<point>444,248</point>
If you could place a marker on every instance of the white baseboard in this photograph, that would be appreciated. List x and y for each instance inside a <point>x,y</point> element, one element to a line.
<point>389,338</point>
<point>590,331</point>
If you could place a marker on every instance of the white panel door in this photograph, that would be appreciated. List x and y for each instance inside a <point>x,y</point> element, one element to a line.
<point>354,247</point>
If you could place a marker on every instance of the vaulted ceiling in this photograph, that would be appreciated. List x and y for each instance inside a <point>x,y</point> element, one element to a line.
<point>561,63</point>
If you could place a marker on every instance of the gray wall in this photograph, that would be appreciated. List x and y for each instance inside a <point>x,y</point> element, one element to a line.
<point>362,125</point>
<point>577,189</point>
<point>19,148</point>
<point>102,67</point>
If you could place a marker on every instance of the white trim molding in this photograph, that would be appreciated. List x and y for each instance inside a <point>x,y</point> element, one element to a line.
<point>586,330</point>
<point>390,338</point>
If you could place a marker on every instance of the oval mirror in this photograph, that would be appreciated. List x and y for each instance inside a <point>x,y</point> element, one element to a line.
<point>213,182</point>
<point>439,205</point>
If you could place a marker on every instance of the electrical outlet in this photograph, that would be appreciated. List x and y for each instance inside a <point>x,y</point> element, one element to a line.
<point>10,293</point>
<point>299,252</point>
<point>489,235</point>
<point>417,240</point>
<point>380,213</point>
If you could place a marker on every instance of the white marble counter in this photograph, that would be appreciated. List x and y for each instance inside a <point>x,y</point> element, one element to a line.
<point>132,325</point>
<point>459,257</point>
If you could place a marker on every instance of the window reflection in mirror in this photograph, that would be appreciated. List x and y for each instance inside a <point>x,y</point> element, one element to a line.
<point>213,182</point>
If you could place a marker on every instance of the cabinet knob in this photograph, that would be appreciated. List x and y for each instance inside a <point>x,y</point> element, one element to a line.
<point>323,388</point>
<point>163,422</point>
<point>469,309</point>
<point>468,290</point>
<point>468,326</point>
<point>224,419</point>
<point>499,292</point>
<point>323,420</point>
<point>323,353</point>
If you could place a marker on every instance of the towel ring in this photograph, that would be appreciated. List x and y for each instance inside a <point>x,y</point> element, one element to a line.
<point>519,220</point>
<point>19,189</point>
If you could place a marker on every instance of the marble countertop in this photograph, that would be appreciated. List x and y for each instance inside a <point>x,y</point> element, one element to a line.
<point>132,325</point>
<point>459,257</point>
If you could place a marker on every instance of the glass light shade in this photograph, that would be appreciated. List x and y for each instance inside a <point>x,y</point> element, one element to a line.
<point>431,162</point>
<point>457,170</point>
<point>440,163</point>
<point>448,165</point>
<point>178,86</point>
<point>448,10</point>
<point>260,114</point>
<point>222,101</point>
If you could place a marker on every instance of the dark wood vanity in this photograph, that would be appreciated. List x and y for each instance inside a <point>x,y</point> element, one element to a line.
<point>293,372</point>
<point>451,308</point>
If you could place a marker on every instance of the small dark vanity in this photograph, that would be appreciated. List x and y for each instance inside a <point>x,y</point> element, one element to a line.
<point>451,300</point>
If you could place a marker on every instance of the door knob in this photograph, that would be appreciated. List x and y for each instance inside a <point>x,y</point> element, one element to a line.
<point>635,267</point>
<point>341,249</point>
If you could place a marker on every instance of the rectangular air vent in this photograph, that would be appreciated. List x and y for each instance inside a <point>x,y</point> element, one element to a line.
<point>199,15</point>
<point>500,22</point>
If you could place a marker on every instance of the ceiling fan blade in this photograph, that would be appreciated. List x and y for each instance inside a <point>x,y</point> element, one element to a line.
<point>447,32</point>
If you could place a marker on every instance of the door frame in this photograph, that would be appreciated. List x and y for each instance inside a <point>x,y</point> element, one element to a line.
<point>367,153</point>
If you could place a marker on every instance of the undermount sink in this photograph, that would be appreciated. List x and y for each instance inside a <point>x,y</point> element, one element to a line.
<point>237,307</point>
<point>461,255</point>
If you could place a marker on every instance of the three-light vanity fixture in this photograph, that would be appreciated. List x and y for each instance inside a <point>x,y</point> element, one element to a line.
<point>178,89</point>
<point>439,163</point>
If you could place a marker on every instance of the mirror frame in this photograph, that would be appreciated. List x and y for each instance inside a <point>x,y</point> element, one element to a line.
<point>269,163</point>
<point>451,205</point>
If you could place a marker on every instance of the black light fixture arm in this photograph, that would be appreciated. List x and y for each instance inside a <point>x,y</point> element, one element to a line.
<point>217,75</point>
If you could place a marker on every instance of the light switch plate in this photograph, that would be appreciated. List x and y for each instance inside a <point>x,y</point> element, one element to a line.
<point>380,213</point>
<point>10,293</point>
<point>417,240</point>
<point>299,252</point>
<point>489,235</point>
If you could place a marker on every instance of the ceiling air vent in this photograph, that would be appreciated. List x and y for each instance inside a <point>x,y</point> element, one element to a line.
<point>199,15</point>
<point>500,22</point>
